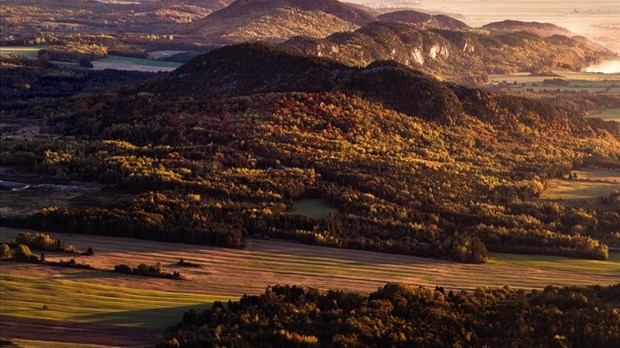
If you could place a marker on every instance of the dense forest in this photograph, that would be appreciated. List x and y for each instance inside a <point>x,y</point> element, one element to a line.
<point>219,150</point>
<point>401,316</point>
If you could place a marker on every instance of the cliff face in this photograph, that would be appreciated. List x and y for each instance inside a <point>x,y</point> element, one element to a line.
<point>465,56</point>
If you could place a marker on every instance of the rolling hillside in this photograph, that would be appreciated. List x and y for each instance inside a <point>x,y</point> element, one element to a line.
<point>540,29</point>
<point>453,55</point>
<point>276,21</point>
<point>423,20</point>
<point>222,147</point>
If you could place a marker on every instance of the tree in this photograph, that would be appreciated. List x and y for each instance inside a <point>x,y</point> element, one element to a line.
<point>23,253</point>
<point>86,63</point>
<point>5,252</point>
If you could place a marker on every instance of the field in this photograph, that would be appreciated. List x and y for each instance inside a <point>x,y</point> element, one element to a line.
<point>119,306</point>
<point>230,272</point>
<point>109,62</point>
<point>81,302</point>
<point>56,310</point>
<point>595,174</point>
<point>608,115</point>
<point>19,343</point>
<point>590,185</point>
<point>134,64</point>
<point>577,190</point>
<point>162,54</point>
<point>314,207</point>
<point>608,84</point>
<point>31,52</point>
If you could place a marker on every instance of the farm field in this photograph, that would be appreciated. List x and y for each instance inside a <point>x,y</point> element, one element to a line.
<point>590,185</point>
<point>608,115</point>
<point>31,52</point>
<point>43,310</point>
<point>577,190</point>
<point>76,301</point>
<point>134,64</point>
<point>608,84</point>
<point>313,207</point>
<point>231,272</point>
<point>596,174</point>
<point>117,308</point>
<point>162,54</point>
<point>109,62</point>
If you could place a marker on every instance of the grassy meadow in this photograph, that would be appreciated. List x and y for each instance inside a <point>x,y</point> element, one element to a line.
<point>231,272</point>
<point>314,207</point>
<point>607,84</point>
<point>588,187</point>
<point>31,52</point>
<point>68,297</point>
<point>576,190</point>
<point>608,115</point>
<point>77,301</point>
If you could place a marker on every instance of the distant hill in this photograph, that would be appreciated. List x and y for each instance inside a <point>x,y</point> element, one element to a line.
<point>465,56</point>
<point>29,18</point>
<point>248,69</point>
<point>181,11</point>
<point>540,29</point>
<point>277,20</point>
<point>423,20</point>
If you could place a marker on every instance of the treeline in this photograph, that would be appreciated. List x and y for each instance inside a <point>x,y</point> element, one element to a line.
<point>152,216</point>
<point>397,315</point>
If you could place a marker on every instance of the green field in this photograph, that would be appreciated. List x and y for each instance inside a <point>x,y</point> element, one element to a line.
<point>611,176</point>
<point>556,262</point>
<point>314,207</point>
<point>137,61</point>
<point>608,84</point>
<point>576,190</point>
<point>163,54</point>
<point>28,51</point>
<point>608,115</point>
<point>24,297</point>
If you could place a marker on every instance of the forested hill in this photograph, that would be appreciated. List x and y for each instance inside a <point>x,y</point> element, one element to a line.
<point>400,316</point>
<point>424,20</point>
<point>540,29</point>
<point>459,55</point>
<point>260,68</point>
<point>277,20</point>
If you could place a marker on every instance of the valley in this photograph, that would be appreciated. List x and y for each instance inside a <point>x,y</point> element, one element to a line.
<point>309,173</point>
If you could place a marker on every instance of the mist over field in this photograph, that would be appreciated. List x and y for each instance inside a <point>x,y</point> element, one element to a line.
<point>607,67</point>
<point>598,20</point>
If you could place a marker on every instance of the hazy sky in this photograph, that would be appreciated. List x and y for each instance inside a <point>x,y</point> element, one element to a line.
<point>598,19</point>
